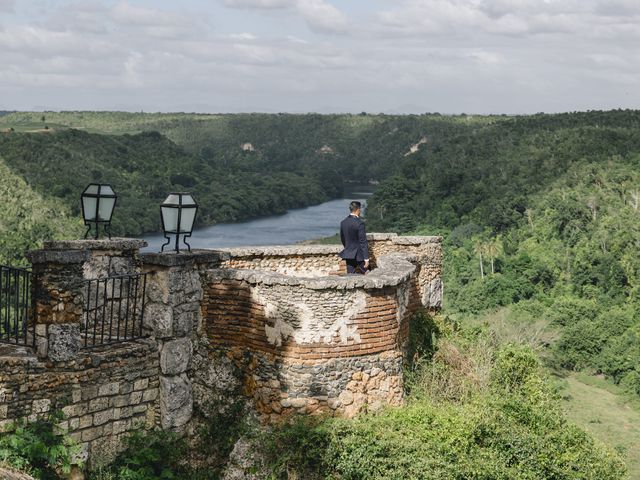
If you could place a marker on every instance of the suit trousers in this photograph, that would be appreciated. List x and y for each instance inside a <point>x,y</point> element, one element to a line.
<point>354,266</point>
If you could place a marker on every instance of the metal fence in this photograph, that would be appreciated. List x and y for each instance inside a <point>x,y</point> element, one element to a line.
<point>114,309</point>
<point>16,312</point>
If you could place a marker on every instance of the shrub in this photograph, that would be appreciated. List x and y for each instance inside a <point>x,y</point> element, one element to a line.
<point>514,367</point>
<point>153,455</point>
<point>38,447</point>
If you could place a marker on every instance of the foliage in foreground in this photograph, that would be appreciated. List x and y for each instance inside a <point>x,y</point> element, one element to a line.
<point>38,448</point>
<point>471,415</point>
<point>159,455</point>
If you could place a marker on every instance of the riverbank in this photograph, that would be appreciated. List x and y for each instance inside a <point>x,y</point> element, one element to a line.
<point>295,226</point>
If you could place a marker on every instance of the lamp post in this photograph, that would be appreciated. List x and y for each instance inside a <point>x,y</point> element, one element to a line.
<point>178,214</point>
<point>98,201</point>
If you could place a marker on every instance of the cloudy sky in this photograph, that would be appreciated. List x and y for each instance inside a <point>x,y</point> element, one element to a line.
<point>402,56</point>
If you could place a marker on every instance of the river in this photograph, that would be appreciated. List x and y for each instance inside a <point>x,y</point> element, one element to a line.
<point>292,227</point>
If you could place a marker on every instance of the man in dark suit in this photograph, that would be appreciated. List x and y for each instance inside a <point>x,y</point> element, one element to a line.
<point>354,240</point>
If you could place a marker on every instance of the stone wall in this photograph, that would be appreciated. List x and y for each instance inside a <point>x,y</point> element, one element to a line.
<point>173,318</point>
<point>296,260</point>
<point>281,327</point>
<point>105,394</point>
<point>296,338</point>
<point>428,252</point>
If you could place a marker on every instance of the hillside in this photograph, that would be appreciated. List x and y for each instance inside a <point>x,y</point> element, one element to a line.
<point>143,168</point>
<point>541,219</point>
<point>26,218</point>
<point>546,223</point>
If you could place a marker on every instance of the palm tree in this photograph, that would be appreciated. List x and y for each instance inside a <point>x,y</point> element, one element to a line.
<point>479,248</point>
<point>493,249</point>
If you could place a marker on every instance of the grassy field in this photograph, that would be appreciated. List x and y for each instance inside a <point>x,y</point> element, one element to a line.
<point>602,409</point>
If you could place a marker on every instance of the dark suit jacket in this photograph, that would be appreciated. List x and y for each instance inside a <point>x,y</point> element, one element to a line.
<point>354,239</point>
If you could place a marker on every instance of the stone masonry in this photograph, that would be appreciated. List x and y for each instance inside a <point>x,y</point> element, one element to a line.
<point>280,327</point>
<point>104,392</point>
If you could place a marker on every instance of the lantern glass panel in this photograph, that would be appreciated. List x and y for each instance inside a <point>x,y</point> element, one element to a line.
<point>107,190</point>
<point>172,199</point>
<point>92,189</point>
<point>170,218</point>
<point>187,200</point>
<point>106,208</point>
<point>89,208</point>
<point>187,218</point>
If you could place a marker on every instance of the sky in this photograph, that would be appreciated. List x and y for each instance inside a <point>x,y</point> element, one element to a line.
<point>390,56</point>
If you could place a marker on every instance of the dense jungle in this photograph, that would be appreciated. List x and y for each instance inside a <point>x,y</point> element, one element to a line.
<point>533,368</point>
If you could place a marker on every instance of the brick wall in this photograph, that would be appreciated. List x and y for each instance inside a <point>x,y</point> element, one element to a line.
<point>308,343</point>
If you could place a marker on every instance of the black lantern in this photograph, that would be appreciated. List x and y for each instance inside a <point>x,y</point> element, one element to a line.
<point>178,213</point>
<point>98,202</point>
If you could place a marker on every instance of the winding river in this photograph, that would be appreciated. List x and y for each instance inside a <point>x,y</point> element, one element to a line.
<point>292,227</point>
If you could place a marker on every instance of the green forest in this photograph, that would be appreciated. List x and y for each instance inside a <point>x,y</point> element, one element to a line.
<point>540,216</point>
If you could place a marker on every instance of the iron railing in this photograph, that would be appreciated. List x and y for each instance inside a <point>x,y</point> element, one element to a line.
<point>16,312</point>
<point>114,309</point>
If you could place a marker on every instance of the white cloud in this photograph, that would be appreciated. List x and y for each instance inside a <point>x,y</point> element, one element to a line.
<point>243,36</point>
<point>263,4</point>
<point>406,55</point>
<point>7,5</point>
<point>322,16</point>
<point>125,13</point>
<point>294,39</point>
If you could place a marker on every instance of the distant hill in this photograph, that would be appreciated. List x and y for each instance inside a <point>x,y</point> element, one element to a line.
<point>143,169</point>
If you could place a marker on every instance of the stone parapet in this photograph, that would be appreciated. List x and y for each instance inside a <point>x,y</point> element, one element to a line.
<point>60,273</point>
<point>105,393</point>
<point>173,317</point>
<point>300,339</point>
<point>283,327</point>
<point>104,244</point>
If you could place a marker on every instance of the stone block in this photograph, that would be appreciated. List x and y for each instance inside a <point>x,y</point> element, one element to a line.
<point>175,356</point>
<point>141,384</point>
<point>120,427</point>
<point>432,295</point>
<point>41,406</point>
<point>176,401</point>
<point>346,397</point>
<point>99,403</point>
<point>91,434</point>
<point>6,426</point>
<point>85,421</point>
<point>159,318</point>
<point>109,389</point>
<point>76,395</point>
<point>100,418</point>
<point>150,395</point>
<point>64,342</point>
<point>136,398</point>
<point>74,410</point>
<point>298,402</point>
<point>89,392</point>
<point>183,323</point>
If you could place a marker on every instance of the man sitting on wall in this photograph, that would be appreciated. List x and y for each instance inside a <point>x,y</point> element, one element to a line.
<point>354,240</point>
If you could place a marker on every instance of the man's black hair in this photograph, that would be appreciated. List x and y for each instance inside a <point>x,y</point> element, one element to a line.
<point>355,205</point>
